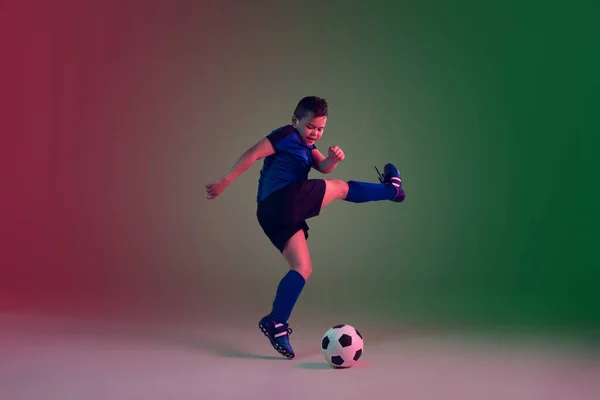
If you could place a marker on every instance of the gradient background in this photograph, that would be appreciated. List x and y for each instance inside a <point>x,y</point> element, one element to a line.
<point>114,115</point>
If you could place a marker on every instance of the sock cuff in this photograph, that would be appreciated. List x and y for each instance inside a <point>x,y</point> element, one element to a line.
<point>293,274</point>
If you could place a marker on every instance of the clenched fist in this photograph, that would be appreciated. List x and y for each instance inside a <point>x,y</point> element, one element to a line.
<point>335,153</point>
<point>215,188</point>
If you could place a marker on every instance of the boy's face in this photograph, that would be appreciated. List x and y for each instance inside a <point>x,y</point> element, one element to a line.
<point>310,128</point>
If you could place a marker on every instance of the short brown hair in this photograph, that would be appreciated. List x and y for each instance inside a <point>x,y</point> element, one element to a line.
<point>311,104</point>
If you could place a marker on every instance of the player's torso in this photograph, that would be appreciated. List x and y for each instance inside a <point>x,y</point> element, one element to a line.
<point>290,163</point>
<point>292,160</point>
<point>294,155</point>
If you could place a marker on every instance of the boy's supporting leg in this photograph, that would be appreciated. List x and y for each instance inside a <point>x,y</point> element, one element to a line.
<point>298,258</point>
<point>275,325</point>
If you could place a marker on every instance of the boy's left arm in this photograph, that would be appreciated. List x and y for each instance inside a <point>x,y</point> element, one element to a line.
<point>326,165</point>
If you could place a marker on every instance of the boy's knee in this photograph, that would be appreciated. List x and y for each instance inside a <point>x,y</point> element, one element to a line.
<point>340,186</point>
<point>305,270</point>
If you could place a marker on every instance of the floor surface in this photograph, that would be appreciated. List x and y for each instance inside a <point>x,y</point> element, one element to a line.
<point>56,358</point>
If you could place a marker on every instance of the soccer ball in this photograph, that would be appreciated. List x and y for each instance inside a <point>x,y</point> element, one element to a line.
<point>342,346</point>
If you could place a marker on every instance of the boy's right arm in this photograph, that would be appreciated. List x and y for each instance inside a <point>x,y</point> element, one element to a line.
<point>260,150</point>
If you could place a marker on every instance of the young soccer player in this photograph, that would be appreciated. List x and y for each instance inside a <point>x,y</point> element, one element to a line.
<point>287,198</point>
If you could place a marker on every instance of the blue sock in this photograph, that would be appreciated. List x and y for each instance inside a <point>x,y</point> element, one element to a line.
<point>288,291</point>
<point>362,192</point>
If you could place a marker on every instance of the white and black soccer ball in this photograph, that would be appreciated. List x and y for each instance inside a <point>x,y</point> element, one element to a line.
<point>342,346</point>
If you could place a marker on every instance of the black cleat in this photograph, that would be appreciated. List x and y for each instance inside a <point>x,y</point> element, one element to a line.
<point>391,176</point>
<point>278,334</point>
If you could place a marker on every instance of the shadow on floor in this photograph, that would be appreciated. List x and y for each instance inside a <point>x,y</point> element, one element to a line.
<point>314,365</point>
<point>325,365</point>
<point>219,348</point>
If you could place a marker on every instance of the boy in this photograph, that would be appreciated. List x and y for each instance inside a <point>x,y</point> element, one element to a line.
<point>287,198</point>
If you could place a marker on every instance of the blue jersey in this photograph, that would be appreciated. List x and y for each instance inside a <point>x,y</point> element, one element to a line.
<point>290,163</point>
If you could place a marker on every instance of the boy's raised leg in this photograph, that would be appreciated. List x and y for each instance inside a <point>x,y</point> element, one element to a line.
<point>389,188</point>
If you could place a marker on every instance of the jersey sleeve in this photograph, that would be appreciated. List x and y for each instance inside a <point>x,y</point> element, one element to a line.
<point>278,135</point>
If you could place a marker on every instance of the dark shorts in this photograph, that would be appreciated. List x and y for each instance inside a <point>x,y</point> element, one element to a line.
<point>285,211</point>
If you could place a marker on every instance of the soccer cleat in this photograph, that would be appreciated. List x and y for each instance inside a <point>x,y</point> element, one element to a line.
<point>391,176</point>
<point>278,334</point>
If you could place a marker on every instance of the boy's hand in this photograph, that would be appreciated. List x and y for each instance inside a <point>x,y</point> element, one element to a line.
<point>336,154</point>
<point>215,188</point>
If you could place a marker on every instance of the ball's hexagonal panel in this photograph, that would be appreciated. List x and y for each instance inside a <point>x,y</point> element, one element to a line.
<point>325,342</point>
<point>337,360</point>
<point>345,340</point>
